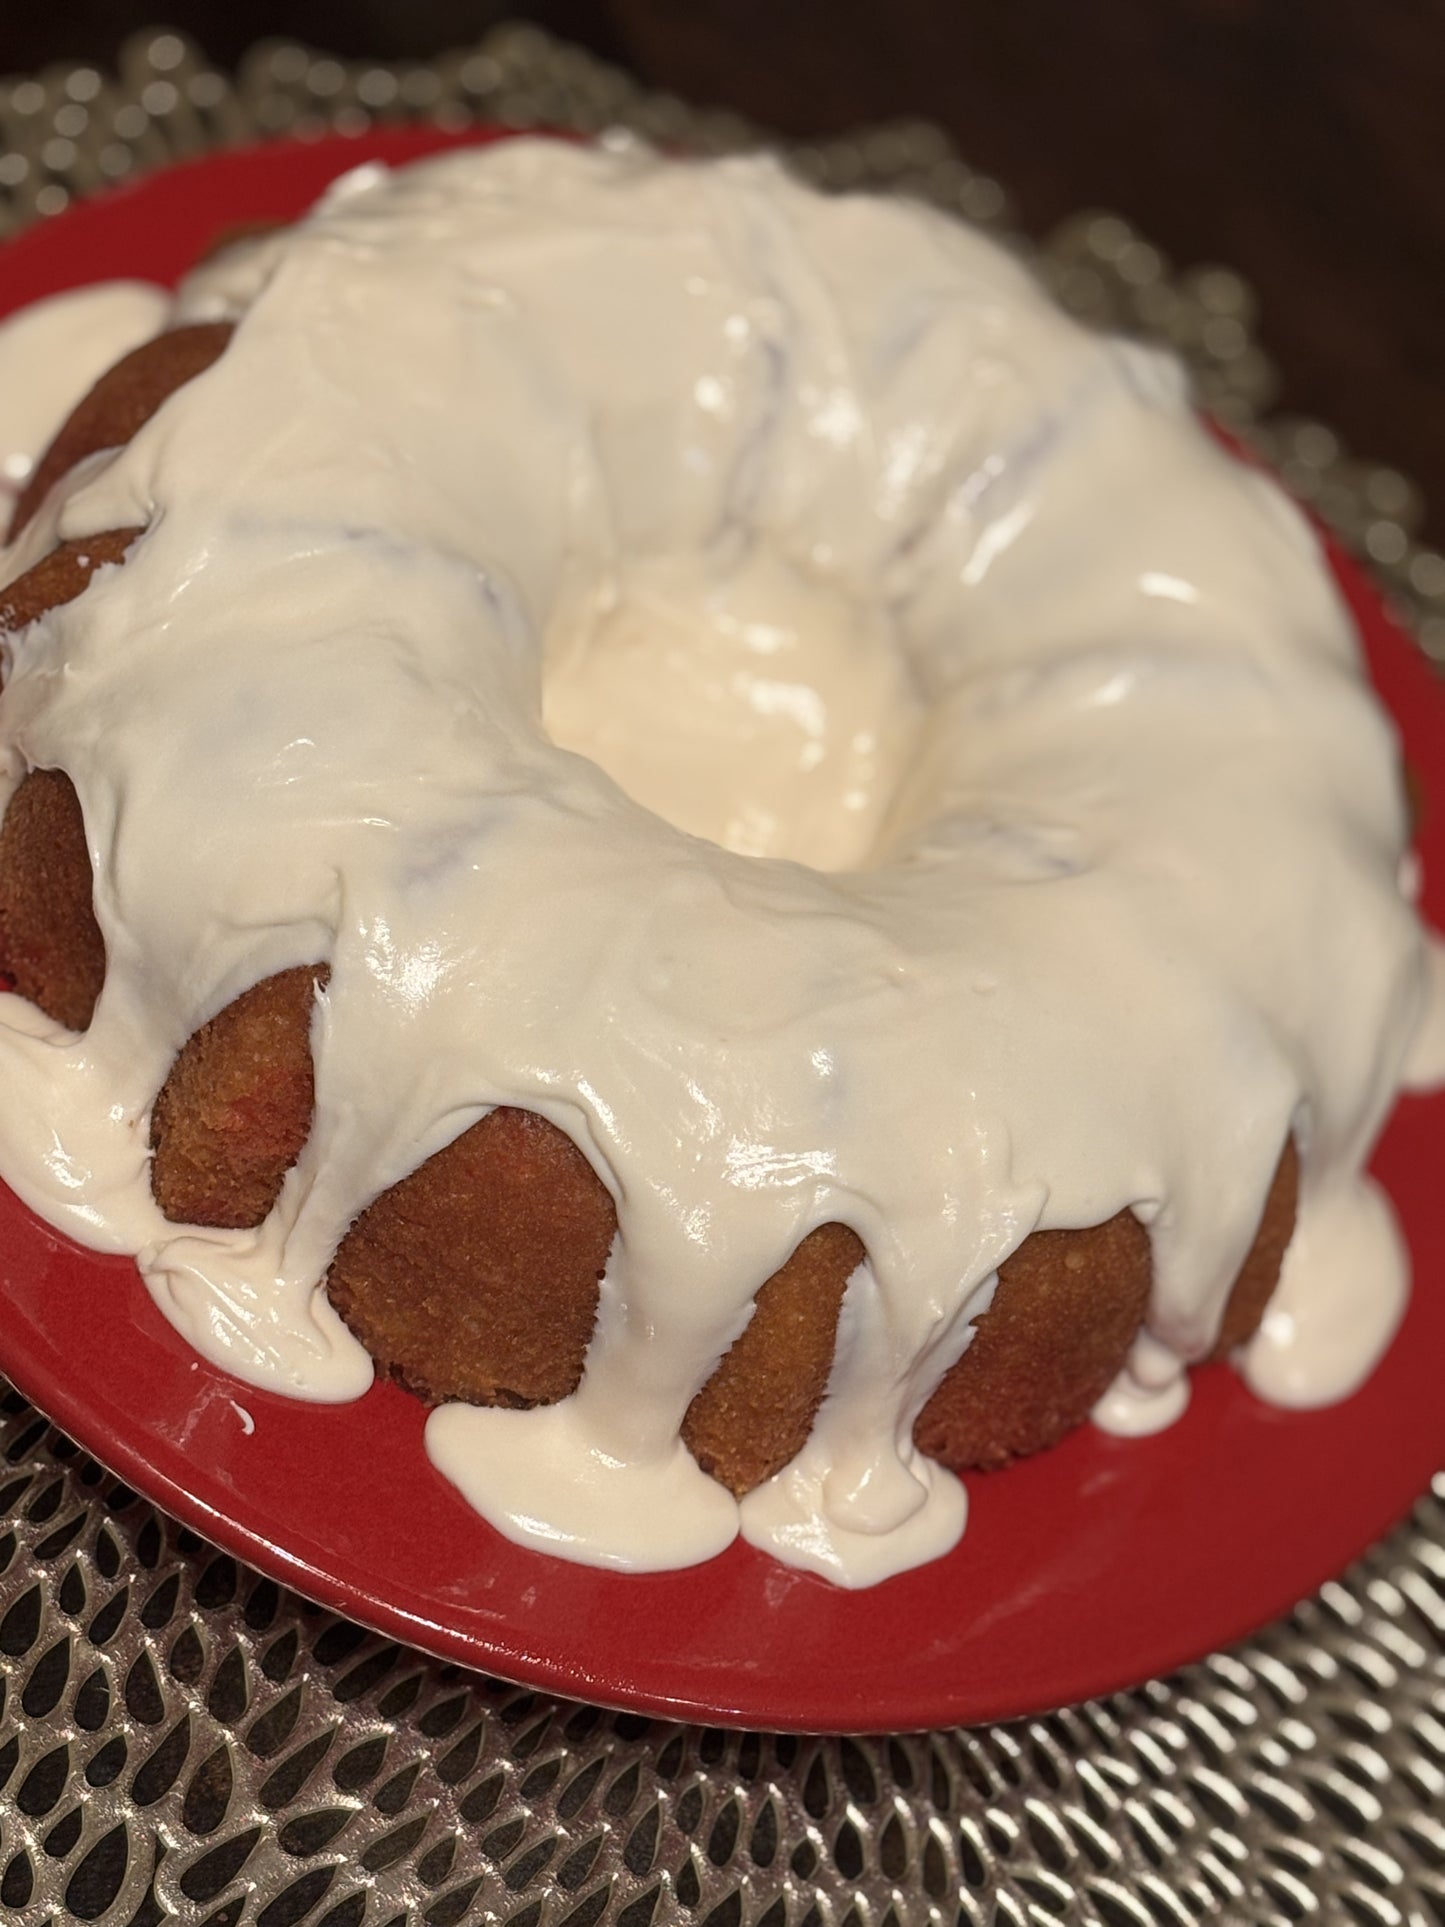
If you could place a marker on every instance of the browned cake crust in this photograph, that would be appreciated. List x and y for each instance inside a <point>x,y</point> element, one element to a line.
<point>234,1113</point>
<point>122,401</point>
<point>755,1413</point>
<point>1065,1312</point>
<point>60,577</point>
<point>477,1276</point>
<point>1259,1274</point>
<point>50,944</point>
<point>51,948</point>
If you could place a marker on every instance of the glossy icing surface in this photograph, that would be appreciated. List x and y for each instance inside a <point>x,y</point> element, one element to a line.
<point>1029,849</point>
<point>52,353</point>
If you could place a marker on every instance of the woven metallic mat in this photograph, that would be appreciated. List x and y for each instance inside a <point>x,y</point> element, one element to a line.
<point>182,1740</point>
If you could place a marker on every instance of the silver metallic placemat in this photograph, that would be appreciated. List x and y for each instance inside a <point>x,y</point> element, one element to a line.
<point>183,1740</point>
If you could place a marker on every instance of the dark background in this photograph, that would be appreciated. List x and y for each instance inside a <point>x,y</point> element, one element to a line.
<point>1300,141</point>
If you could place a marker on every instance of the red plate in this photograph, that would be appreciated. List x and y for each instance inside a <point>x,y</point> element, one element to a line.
<point>1091,1567</point>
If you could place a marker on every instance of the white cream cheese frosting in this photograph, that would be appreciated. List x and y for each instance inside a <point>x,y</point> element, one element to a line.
<point>736,672</point>
<point>51,353</point>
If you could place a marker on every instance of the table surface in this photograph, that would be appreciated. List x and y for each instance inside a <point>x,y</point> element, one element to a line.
<point>1301,141</point>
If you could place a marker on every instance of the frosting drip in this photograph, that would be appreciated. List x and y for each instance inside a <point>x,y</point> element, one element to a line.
<point>51,353</point>
<point>737,673</point>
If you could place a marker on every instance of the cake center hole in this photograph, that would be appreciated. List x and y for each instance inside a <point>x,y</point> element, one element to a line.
<point>756,706</point>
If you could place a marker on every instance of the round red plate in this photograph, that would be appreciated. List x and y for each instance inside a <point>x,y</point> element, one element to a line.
<point>1091,1567</point>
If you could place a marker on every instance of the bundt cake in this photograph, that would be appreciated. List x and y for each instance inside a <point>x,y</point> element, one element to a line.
<point>670,808</point>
